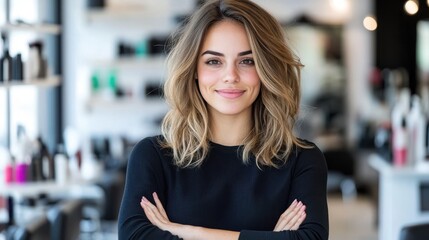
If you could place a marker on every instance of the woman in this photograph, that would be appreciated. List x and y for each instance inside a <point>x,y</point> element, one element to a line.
<point>227,165</point>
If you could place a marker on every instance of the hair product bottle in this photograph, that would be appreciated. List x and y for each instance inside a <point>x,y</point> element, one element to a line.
<point>17,68</point>
<point>5,61</point>
<point>9,169</point>
<point>399,130</point>
<point>416,125</point>
<point>400,144</point>
<point>61,166</point>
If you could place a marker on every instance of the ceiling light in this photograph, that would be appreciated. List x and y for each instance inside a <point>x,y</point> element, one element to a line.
<point>342,6</point>
<point>370,23</point>
<point>411,7</point>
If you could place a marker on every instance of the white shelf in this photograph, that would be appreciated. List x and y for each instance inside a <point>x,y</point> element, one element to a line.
<point>382,166</point>
<point>71,188</point>
<point>129,13</point>
<point>127,104</point>
<point>51,81</point>
<point>155,62</point>
<point>37,28</point>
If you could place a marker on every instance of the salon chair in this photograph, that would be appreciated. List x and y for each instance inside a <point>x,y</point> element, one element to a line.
<point>341,169</point>
<point>415,232</point>
<point>112,184</point>
<point>65,219</point>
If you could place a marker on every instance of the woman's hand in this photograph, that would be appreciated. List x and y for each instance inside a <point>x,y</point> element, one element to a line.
<point>292,218</point>
<point>158,217</point>
<point>156,214</point>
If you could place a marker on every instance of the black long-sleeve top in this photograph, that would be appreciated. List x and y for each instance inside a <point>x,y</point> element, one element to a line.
<point>224,193</point>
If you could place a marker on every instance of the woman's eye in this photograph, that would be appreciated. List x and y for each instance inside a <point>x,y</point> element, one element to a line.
<point>248,61</point>
<point>212,62</point>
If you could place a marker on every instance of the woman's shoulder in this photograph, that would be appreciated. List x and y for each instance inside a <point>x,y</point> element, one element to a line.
<point>309,147</point>
<point>149,142</point>
<point>310,153</point>
<point>148,148</point>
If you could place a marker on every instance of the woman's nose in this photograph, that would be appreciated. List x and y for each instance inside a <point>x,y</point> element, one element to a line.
<point>231,74</point>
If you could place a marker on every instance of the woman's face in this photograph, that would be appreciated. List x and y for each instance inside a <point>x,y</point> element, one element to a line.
<point>227,76</point>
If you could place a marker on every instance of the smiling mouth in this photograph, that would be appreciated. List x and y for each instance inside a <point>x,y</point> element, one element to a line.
<point>230,93</point>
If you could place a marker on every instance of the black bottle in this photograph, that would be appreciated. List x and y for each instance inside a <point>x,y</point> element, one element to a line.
<point>47,161</point>
<point>17,68</point>
<point>6,61</point>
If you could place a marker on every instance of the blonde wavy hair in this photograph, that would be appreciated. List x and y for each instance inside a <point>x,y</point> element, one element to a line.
<point>185,128</point>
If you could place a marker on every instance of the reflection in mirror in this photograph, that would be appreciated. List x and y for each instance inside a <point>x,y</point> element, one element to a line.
<point>323,82</point>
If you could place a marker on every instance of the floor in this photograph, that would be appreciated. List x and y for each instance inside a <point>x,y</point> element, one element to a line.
<point>352,220</point>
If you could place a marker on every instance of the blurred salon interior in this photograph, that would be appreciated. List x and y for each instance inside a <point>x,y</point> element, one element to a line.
<point>81,83</point>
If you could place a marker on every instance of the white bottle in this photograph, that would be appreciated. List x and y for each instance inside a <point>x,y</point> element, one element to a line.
<point>61,167</point>
<point>416,135</point>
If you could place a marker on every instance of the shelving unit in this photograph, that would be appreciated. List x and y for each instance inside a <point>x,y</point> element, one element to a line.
<point>51,80</point>
<point>49,95</point>
<point>130,24</point>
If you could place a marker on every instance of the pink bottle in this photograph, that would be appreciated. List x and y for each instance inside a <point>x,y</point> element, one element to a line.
<point>400,144</point>
<point>21,173</point>
<point>8,173</point>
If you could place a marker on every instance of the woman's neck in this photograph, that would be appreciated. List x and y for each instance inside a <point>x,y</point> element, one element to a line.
<point>229,130</point>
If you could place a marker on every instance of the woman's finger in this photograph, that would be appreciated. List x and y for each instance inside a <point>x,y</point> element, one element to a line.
<point>148,212</point>
<point>159,206</point>
<point>152,213</point>
<point>294,221</point>
<point>300,220</point>
<point>285,221</point>
<point>285,218</point>
<point>285,214</point>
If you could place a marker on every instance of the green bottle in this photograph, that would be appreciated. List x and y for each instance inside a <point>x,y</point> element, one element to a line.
<point>112,81</point>
<point>95,82</point>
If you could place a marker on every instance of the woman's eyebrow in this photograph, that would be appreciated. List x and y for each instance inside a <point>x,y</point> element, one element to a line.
<point>245,53</point>
<point>221,54</point>
<point>213,53</point>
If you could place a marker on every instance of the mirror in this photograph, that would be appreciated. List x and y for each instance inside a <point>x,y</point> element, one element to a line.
<point>323,80</point>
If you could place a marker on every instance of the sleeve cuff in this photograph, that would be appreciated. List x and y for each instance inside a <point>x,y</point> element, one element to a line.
<point>253,235</point>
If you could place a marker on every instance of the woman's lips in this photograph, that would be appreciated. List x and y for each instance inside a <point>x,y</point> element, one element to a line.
<point>230,93</point>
